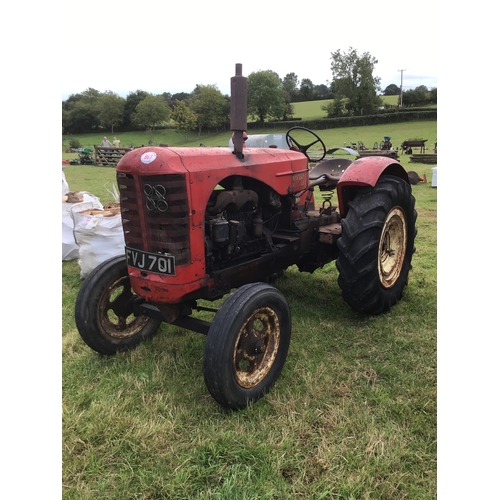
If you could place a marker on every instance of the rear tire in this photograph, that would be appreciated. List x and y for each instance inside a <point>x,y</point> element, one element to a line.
<point>377,245</point>
<point>247,345</point>
<point>103,310</point>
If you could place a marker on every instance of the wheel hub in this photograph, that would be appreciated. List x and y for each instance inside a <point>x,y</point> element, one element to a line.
<point>115,311</point>
<point>392,247</point>
<point>256,347</point>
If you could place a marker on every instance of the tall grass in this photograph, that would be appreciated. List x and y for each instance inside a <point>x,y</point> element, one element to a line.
<point>353,415</point>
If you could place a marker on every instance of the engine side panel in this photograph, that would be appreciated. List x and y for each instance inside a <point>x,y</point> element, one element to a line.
<point>164,194</point>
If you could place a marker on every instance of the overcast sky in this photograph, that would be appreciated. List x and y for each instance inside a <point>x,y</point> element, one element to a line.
<point>172,48</point>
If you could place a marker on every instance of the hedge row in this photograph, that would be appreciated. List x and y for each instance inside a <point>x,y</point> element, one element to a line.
<point>350,121</point>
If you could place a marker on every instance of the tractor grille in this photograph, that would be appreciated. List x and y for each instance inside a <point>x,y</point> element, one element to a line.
<point>161,223</point>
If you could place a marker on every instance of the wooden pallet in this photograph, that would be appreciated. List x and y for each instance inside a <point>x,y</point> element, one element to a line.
<point>370,152</point>
<point>430,158</point>
<point>109,157</point>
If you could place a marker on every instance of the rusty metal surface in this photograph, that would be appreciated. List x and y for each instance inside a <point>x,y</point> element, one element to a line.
<point>238,110</point>
<point>333,167</point>
<point>115,311</point>
<point>392,247</point>
<point>236,198</point>
<point>257,347</point>
<point>329,234</point>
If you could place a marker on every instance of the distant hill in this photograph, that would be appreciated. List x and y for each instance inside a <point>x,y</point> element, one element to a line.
<point>311,110</point>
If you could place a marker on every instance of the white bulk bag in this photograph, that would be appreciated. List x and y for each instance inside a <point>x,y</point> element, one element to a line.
<point>70,249</point>
<point>99,238</point>
<point>69,246</point>
<point>65,187</point>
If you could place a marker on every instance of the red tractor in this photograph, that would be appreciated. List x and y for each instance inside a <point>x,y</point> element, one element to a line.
<point>201,222</point>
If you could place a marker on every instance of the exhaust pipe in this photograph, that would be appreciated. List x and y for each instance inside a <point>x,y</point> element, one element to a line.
<point>238,110</point>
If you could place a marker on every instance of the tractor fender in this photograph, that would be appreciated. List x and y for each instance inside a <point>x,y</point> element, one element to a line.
<point>365,172</point>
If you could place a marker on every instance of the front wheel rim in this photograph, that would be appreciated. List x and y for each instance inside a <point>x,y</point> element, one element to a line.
<point>256,347</point>
<point>392,247</point>
<point>116,315</point>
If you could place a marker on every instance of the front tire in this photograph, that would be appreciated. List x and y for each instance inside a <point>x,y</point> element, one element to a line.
<point>103,310</point>
<point>377,245</point>
<point>247,345</point>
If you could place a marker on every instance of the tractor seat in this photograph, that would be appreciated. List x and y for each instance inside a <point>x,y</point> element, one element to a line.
<point>333,168</point>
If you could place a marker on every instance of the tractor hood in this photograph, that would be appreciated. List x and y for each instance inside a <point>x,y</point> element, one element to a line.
<point>283,170</point>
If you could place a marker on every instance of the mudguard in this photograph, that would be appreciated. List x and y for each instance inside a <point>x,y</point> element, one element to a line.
<point>365,172</point>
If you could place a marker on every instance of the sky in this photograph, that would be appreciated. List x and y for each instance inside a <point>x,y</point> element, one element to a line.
<point>172,48</point>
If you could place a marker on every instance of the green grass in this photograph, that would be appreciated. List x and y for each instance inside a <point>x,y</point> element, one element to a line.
<point>353,415</point>
<point>311,110</point>
<point>306,110</point>
<point>398,132</point>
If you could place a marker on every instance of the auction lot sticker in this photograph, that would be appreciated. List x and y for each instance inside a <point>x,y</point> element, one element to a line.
<point>148,157</point>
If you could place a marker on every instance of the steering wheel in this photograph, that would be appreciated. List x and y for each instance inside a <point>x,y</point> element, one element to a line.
<point>293,144</point>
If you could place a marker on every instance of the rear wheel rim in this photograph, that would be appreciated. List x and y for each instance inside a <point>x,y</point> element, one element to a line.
<point>392,247</point>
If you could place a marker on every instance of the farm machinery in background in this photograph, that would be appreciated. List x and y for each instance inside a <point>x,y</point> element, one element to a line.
<point>85,157</point>
<point>202,223</point>
<point>379,149</point>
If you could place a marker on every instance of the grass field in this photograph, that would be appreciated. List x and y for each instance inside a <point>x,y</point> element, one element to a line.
<point>353,415</point>
<point>331,137</point>
<point>311,110</point>
<point>305,110</point>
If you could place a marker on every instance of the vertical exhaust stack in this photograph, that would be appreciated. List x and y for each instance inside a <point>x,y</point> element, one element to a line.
<point>238,110</point>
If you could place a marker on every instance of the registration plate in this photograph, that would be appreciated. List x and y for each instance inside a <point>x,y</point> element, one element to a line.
<point>151,262</point>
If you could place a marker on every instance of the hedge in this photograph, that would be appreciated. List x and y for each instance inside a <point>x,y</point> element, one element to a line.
<point>351,121</point>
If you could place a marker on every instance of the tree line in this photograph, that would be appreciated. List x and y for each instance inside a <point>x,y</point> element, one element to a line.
<point>354,90</point>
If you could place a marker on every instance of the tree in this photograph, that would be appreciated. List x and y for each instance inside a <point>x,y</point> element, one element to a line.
<point>321,91</point>
<point>167,97</point>
<point>422,88</point>
<point>150,112</point>
<point>91,96</point>
<point>265,96</point>
<point>180,96</point>
<point>69,103</point>
<point>110,110</point>
<point>334,108</point>
<point>392,89</point>
<point>353,79</point>
<point>289,90</point>
<point>414,97</point>
<point>131,102</point>
<point>80,119</point>
<point>290,85</point>
<point>433,95</point>
<point>306,91</point>
<point>186,119</point>
<point>210,106</point>
<point>81,112</point>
